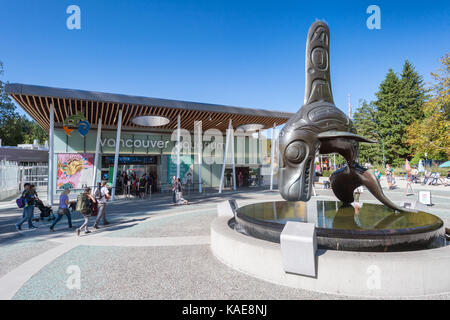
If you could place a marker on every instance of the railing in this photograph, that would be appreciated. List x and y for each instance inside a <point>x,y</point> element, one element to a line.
<point>36,175</point>
<point>9,179</point>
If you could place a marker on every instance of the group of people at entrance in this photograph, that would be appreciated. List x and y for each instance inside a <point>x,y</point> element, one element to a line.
<point>139,186</point>
<point>177,192</point>
<point>88,204</point>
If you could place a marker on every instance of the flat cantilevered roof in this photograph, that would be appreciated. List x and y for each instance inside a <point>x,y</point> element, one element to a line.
<point>36,100</point>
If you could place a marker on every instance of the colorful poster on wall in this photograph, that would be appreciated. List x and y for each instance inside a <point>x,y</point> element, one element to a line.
<point>186,169</point>
<point>75,170</point>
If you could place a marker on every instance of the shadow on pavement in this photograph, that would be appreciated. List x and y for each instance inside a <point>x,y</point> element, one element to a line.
<point>118,212</point>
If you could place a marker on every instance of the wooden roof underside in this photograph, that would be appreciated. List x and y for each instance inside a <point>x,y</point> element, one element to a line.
<point>38,107</point>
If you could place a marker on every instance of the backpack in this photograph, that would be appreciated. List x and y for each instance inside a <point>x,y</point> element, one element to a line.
<point>98,193</point>
<point>83,203</point>
<point>20,202</point>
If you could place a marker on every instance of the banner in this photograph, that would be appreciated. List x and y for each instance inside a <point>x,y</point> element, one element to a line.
<point>75,170</point>
<point>186,169</point>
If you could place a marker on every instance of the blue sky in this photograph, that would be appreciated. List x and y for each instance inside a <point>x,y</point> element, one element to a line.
<point>242,53</point>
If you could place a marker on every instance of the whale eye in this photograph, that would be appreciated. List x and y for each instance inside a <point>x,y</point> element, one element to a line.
<point>296,152</point>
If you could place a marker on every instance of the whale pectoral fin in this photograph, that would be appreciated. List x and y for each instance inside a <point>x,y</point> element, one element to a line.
<point>344,181</point>
<point>373,185</point>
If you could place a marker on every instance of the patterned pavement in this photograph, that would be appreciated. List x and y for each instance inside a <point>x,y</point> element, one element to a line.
<point>151,250</point>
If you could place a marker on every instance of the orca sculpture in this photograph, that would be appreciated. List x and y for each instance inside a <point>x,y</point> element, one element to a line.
<point>320,127</point>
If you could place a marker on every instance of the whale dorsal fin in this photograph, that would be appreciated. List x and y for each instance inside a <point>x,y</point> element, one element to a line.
<point>317,64</point>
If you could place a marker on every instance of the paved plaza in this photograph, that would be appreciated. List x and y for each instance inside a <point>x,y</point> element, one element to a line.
<point>151,250</point>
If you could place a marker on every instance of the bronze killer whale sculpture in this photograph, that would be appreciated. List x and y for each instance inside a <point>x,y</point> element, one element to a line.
<point>319,126</point>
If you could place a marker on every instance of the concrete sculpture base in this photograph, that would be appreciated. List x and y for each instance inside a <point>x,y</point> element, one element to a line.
<point>367,274</point>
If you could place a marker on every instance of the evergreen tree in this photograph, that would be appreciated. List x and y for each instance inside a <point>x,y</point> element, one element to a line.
<point>399,103</point>
<point>364,120</point>
<point>387,115</point>
<point>411,101</point>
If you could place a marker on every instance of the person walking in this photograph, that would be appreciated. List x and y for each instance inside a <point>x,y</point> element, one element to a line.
<point>27,215</point>
<point>377,174</point>
<point>415,175</point>
<point>390,176</point>
<point>174,190</point>
<point>102,196</point>
<point>142,185</point>
<point>63,209</point>
<point>151,181</point>
<point>408,178</point>
<point>240,178</point>
<point>84,207</point>
<point>135,181</point>
<point>26,187</point>
<point>36,200</point>
<point>179,196</point>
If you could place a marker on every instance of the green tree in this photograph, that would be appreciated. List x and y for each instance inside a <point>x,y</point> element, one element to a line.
<point>364,120</point>
<point>399,103</point>
<point>411,101</point>
<point>8,115</point>
<point>387,120</point>
<point>16,129</point>
<point>431,134</point>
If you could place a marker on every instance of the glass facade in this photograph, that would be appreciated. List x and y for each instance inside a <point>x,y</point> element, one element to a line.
<point>155,153</point>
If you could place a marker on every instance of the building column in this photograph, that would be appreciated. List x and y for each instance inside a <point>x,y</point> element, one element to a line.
<point>230,128</point>
<point>272,157</point>
<point>198,126</point>
<point>97,152</point>
<point>178,145</point>
<point>232,156</point>
<point>116,155</point>
<point>51,153</point>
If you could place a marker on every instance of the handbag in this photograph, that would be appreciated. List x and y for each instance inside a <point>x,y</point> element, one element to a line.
<point>94,209</point>
<point>20,202</point>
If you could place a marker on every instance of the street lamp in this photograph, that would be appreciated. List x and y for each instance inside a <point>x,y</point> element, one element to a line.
<point>382,143</point>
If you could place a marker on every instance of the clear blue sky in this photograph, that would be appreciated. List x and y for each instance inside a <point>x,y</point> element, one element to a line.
<point>243,53</point>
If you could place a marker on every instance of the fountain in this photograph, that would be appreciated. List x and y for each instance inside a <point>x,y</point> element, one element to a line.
<point>319,126</point>
<point>354,240</point>
<point>372,227</point>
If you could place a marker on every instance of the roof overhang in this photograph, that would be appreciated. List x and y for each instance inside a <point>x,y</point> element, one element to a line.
<point>36,101</point>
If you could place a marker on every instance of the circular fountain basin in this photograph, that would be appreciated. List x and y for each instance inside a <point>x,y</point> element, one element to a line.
<point>363,227</point>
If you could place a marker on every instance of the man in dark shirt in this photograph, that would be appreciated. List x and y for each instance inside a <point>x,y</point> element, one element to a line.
<point>29,198</point>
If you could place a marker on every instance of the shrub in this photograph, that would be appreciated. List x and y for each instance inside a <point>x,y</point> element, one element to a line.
<point>326,173</point>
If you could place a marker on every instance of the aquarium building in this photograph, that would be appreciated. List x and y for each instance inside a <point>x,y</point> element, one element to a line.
<point>97,136</point>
